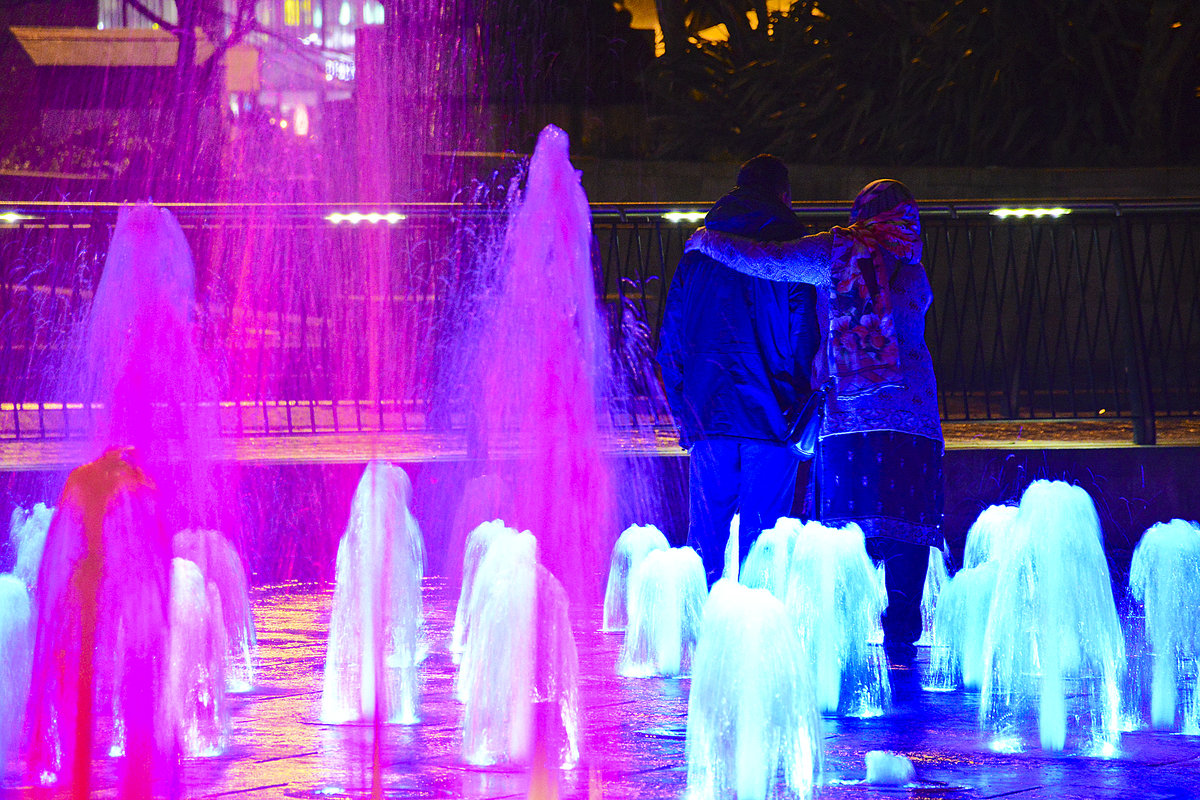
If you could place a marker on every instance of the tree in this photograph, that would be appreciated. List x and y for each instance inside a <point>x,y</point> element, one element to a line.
<point>1023,83</point>
<point>180,161</point>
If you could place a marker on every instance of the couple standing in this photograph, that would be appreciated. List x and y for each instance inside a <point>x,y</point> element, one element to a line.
<point>757,317</point>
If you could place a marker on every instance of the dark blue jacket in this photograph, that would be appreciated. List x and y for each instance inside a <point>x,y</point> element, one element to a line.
<point>736,352</point>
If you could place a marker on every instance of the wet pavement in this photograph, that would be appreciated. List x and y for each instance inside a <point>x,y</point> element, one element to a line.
<point>633,738</point>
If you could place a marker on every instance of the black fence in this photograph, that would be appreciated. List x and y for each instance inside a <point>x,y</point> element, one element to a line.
<point>342,319</point>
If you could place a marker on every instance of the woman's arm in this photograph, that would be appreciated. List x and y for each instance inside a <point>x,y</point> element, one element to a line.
<point>806,260</point>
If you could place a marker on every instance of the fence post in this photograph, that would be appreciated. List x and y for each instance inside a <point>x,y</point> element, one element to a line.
<point>1141,397</point>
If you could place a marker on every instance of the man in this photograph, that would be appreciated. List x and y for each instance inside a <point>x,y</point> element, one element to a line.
<point>736,355</point>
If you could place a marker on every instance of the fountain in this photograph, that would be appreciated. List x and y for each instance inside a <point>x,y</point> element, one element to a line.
<point>989,531</point>
<point>1053,639</point>
<point>140,368</point>
<point>484,498</point>
<point>1164,578</point>
<point>544,372</point>
<point>767,562</point>
<point>27,531</point>
<point>633,545</point>
<point>666,597</point>
<point>221,566</point>
<point>752,721</point>
<point>195,687</point>
<point>888,769</point>
<point>15,646</point>
<point>936,578</point>
<point>518,677</point>
<point>477,545</point>
<point>961,616</point>
<point>752,710</point>
<point>836,600</point>
<point>101,630</point>
<point>375,642</point>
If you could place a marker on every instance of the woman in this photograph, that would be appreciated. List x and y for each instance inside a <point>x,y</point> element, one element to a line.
<point>879,459</point>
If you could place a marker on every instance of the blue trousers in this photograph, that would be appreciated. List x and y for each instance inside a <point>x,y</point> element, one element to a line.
<point>728,476</point>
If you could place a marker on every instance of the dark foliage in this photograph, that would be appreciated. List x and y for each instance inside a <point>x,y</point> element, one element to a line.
<point>1018,83</point>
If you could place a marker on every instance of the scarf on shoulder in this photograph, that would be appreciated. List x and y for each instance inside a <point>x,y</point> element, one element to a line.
<point>864,355</point>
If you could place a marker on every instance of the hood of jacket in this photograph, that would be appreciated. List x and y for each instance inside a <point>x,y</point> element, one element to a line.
<point>754,214</point>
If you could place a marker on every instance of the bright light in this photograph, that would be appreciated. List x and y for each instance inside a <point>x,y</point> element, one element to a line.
<point>12,217</point>
<point>1021,213</point>
<point>1006,745</point>
<point>355,217</point>
<point>684,216</point>
<point>345,15</point>
<point>300,120</point>
<point>338,69</point>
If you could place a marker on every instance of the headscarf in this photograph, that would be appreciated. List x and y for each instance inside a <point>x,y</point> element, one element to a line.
<point>864,355</point>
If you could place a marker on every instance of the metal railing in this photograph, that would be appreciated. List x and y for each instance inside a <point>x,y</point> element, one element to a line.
<point>353,324</point>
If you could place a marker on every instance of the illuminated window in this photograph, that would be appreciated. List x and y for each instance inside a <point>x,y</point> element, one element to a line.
<point>345,14</point>
<point>297,12</point>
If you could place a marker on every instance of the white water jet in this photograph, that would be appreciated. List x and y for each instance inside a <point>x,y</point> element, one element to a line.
<point>767,562</point>
<point>936,578</point>
<point>888,769</point>
<point>16,653</point>
<point>731,568</point>
<point>1164,577</point>
<point>634,543</point>
<point>876,634</point>
<point>221,566</point>
<point>1053,649</point>
<point>476,547</point>
<point>989,531</point>
<point>520,655</point>
<point>835,599</point>
<point>27,531</point>
<point>196,663</point>
<point>666,598</point>
<point>752,712</point>
<point>961,615</point>
<point>959,628</point>
<point>375,628</point>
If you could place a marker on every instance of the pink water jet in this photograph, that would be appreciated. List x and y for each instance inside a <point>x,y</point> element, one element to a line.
<point>146,381</point>
<point>545,358</point>
<point>101,630</point>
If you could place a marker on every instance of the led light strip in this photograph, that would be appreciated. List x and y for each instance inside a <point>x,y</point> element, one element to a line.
<point>355,217</point>
<point>684,216</point>
<point>1021,213</point>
